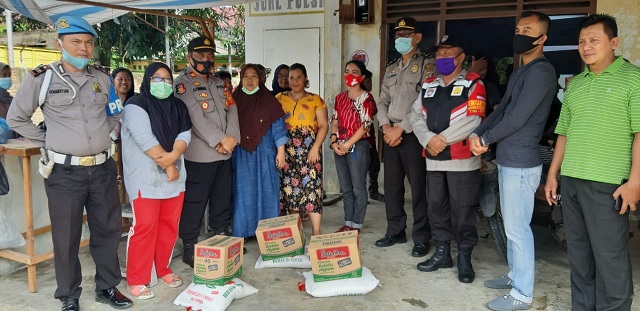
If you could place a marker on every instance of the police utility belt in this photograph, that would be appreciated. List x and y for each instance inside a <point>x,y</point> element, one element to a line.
<point>91,160</point>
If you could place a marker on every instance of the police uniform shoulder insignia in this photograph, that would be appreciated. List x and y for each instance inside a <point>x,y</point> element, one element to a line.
<point>102,69</point>
<point>427,55</point>
<point>40,70</point>
<point>393,62</point>
<point>180,89</point>
<point>230,101</point>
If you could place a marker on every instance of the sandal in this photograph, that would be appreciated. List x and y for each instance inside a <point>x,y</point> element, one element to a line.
<point>172,280</point>
<point>141,292</point>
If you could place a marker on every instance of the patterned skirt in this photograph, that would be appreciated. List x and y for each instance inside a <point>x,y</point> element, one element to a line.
<point>300,182</point>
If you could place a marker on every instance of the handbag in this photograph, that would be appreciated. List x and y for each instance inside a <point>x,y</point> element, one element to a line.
<point>4,181</point>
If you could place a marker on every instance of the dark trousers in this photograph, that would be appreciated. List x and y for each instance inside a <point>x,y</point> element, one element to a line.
<point>207,183</point>
<point>400,161</point>
<point>374,169</point>
<point>452,199</point>
<point>597,245</point>
<point>70,190</point>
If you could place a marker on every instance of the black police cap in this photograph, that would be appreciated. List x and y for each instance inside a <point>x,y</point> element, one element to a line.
<point>406,23</point>
<point>449,42</point>
<point>201,44</point>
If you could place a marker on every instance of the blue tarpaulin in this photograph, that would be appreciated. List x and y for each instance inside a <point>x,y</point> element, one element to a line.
<point>48,11</point>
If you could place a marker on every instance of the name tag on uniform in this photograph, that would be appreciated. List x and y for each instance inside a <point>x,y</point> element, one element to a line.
<point>430,92</point>
<point>457,90</point>
<point>199,88</point>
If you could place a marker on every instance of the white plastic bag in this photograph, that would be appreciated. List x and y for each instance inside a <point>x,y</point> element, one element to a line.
<point>300,261</point>
<point>213,298</point>
<point>9,236</point>
<point>345,287</point>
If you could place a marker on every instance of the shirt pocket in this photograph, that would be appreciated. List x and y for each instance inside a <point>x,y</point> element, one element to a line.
<point>97,109</point>
<point>205,101</point>
<point>59,105</point>
<point>392,83</point>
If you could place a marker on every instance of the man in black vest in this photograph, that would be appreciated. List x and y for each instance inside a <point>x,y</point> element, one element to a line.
<point>450,106</point>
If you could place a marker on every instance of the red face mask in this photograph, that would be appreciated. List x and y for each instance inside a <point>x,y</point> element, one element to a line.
<point>352,80</point>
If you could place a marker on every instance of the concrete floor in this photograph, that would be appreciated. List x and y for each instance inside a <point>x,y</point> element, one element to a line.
<point>402,287</point>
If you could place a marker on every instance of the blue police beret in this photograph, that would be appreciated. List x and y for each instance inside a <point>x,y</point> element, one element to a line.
<point>71,25</point>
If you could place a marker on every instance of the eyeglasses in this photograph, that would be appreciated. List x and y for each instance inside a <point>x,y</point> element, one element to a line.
<point>404,34</point>
<point>161,79</point>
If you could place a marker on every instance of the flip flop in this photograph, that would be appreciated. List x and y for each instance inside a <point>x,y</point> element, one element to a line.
<point>172,280</point>
<point>141,292</point>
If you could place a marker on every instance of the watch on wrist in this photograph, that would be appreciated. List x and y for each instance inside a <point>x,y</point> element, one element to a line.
<point>482,142</point>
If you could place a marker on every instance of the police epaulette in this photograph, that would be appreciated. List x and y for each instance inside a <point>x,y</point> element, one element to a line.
<point>40,70</point>
<point>103,69</point>
<point>393,61</point>
<point>427,55</point>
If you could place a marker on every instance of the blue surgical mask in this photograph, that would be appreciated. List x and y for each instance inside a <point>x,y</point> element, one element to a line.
<point>244,89</point>
<point>403,45</point>
<point>160,90</point>
<point>5,83</point>
<point>77,62</point>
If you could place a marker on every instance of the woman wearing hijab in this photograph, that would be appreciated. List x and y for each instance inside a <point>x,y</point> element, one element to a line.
<point>123,83</point>
<point>307,123</point>
<point>5,84</point>
<point>156,131</point>
<point>353,115</point>
<point>260,156</point>
<point>280,81</point>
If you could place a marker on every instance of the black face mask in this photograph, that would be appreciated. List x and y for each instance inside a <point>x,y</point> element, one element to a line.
<point>201,67</point>
<point>523,44</point>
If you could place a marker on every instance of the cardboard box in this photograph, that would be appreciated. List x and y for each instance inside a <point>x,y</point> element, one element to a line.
<point>335,256</point>
<point>217,260</point>
<point>280,237</point>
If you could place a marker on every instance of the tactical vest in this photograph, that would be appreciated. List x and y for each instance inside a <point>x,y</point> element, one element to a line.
<point>443,106</point>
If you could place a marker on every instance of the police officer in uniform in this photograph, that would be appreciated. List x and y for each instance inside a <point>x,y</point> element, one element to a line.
<point>77,148</point>
<point>215,133</point>
<point>450,107</point>
<point>402,150</point>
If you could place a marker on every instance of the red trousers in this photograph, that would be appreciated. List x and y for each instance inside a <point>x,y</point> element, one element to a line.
<point>151,237</point>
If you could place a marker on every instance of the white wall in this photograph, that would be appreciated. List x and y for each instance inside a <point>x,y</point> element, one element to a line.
<point>257,23</point>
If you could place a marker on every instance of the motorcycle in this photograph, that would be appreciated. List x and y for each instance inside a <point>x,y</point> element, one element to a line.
<point>543,214</point>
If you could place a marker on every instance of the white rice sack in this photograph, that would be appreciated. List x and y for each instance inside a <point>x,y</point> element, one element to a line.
<point>345,287</point>
<point>213,298</point>
<point>300,261</point>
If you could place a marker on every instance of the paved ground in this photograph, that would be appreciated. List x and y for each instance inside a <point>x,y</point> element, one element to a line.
<point>402,287</point>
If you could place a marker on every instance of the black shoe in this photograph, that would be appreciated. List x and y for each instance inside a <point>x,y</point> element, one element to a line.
<point>389,240</point>
<point>188,251</point>
<point>440,259</point>
<point>420,250</point>
<point>70,304</point>
<point>114,298</point>
<point>465,269</point>
<point>376,196</point>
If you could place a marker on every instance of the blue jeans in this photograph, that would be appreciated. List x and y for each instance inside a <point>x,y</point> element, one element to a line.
<point>517,190</point>
<point>352,174</point>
